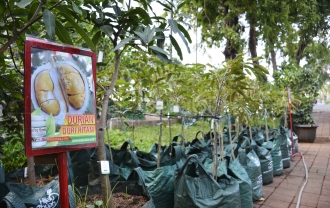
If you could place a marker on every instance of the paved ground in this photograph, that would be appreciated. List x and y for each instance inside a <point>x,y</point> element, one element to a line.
<point>284,190</point>
<point>321,115</point>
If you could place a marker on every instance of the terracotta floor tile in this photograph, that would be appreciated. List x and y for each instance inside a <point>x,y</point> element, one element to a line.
<point>284,191</point>
<point>309,199</point>
<point>313,190</point>
<point>323,204</point>
<point>282,197</point>
<point>324,198</point>
<point>289,186</point>
<point>325,192</point>
<point>276,203</point>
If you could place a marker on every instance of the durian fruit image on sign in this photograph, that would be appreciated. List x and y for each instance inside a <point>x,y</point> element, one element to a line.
<point>44,86</point>
<point>73,85</point>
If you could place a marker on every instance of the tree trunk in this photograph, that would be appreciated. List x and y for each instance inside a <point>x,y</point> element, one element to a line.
<point>253,40</point>
<point>301,47</point>
<point>230,51</point>
<point>30,172</point>
<point>273,60</point>
<point>105,181</point>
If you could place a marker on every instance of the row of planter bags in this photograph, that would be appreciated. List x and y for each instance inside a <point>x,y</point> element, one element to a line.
<point>186,176</point>
<point>191,174</point>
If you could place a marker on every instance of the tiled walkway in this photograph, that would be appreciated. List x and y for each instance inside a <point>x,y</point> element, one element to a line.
<point>321,115</point>
<point>284,190</point>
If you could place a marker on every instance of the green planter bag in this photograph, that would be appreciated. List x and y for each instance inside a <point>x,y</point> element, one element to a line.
<point>284,148</point>
<point>194,187</point>
<point>237,171</point>
<point>266,162</point>
<point>251,163</point>
<point>160,185</point>
<point>275,152</point>
<point>45,196</point>
<point>200,148</point>
<point>160,181</point>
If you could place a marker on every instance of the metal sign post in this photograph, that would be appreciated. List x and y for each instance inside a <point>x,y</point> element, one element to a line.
<point>291,125</point>
<point>63,179</point>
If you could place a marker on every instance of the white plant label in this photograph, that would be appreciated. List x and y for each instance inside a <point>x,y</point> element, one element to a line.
<point>159,105</point>
<point>100,57</point>
<point>176,109</point>
<point>105,169</point>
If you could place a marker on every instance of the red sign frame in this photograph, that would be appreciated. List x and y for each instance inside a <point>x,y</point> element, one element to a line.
<point>33,43</point>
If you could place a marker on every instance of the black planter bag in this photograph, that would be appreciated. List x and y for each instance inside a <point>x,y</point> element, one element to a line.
<point>194,187</point>
<point>45,196</point>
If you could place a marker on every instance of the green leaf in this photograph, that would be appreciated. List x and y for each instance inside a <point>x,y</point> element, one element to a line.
<point>82,33</point>
<point>140,12</point>
<point>99,203</point>
<point>123,43</point>
<point>16,95</point>
<point>168,7</point>
<point>76,8</point>
<point>185,32</point>
<point>184,41</point>
<point>50,125</point>
<point>156,48</point>
<point>174,25</point>
<point>36,112</point>
<point>161,56</point>
<point>23,3</point>
<point>176,46</point>
<point>142,36</point>
<point>49,21</point>
<point>62,33</point>
<point>33,9</point>
<point>117,10</point>
<point>107,29</point>
<point>121,81</point>
<point>96,38</point>
<point>182,4</point>
<point>151,34</point>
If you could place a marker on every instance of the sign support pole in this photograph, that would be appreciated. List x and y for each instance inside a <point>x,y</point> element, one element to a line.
<point>63,179</point>
<point>291,125</point>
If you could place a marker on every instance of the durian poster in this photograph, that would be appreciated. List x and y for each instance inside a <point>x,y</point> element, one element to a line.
<point>62,95</point>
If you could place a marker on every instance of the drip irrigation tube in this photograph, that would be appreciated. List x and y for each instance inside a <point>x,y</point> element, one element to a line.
<point>302,188</point>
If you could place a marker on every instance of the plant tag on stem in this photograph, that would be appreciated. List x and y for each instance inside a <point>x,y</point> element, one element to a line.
<point>100,57</point>
<point>176,109</point>
<point>105,169</point>
<point>159,105</point>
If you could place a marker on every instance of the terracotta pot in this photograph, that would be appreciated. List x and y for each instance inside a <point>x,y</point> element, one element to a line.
<point>306,133</point>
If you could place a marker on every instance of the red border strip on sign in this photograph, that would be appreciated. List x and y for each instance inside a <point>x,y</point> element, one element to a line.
<point>42,44</point>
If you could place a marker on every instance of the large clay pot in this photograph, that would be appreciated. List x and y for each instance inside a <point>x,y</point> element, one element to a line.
<point>306,133</point>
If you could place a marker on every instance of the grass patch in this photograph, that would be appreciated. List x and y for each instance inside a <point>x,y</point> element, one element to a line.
<point>145,136</point>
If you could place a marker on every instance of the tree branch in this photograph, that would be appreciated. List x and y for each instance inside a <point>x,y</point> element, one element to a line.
<point>27,25</point>
<point>12,57</point>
